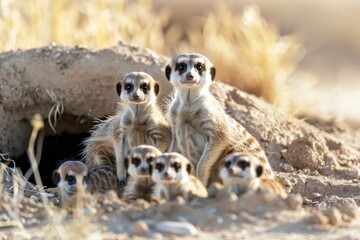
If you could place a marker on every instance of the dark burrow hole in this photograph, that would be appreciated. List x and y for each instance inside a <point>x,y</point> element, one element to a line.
<point>55,150</point>
<point>67,144</point>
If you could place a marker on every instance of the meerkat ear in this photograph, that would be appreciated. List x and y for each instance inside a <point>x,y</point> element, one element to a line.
<point>188,168</point>
<point>118,88</point>
<point>168,72</point>
<point>156,89</point>
<point>56,177</point>
<point>212,72</point>
<point>259,170</point>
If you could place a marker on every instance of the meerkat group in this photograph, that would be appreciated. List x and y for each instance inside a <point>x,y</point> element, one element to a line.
<point>181,152</point>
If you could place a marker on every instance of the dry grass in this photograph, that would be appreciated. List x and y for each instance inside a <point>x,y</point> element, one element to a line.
<point>14,204</point>
<point>247,51</point>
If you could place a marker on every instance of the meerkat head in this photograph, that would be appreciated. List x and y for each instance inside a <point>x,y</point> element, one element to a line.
<point>137,88</point>
<point>68,175</point>
<point>190,71</point>
<point>170,168</point>
<point>240,167</point>
<point>139,160</point>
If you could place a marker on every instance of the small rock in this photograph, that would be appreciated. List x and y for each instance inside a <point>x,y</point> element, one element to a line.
<point>104,218</point>
<point>178,228</point>
<point>140,228</point>
<point>334,216</point>
<point>294,201</point>
<point>318,218</point>
<point>322,205</point>
<point>286,167</point>
<point>287,183</point>
<point>316,195</point>
<point>315,173</point>
<point>355,180</point>
<point>233,217</point>
<point>109,209</point>
<point>306,201</point>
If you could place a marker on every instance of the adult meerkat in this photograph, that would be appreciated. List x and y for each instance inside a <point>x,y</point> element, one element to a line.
<point>241,173</point>
<point>140,122</point>
<point>74,174</point>
<point>172,174</point>
<point>201,129</point>
<point>140,184</point>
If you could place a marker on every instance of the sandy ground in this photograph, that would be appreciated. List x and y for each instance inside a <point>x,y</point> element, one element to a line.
<point>317,161</point>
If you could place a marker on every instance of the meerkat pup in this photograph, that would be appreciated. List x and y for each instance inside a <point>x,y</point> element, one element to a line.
<point>140,184</point>
<point>172,174</point>
<point>201,129</point>
<point>140,121</point>
<point>241,173</point>
<point>72,175</point>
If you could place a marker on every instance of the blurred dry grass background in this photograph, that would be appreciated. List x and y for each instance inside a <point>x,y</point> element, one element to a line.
<point>248,51</point>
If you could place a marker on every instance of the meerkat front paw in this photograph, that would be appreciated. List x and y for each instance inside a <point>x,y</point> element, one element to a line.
<point>121,175</point>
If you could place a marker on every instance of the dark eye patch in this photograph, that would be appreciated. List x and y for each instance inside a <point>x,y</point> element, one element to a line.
<point>71,179</point>
<point>243,164</point>
<point>176,166</point>
<point>200,67</point>
<point>181,67</point>
<point>129,87</point>
<point>136,161</point>
<point>159,167</point>
<point>145,87</point>
<point>227,164</point>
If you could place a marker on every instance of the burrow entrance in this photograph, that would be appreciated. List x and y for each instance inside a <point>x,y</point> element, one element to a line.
<point>67,144</point>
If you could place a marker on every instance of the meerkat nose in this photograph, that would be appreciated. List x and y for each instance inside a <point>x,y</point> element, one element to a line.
<point>231,171</point>
<point>189,76</point>
<point>136,97</point>
<point>143,169</point>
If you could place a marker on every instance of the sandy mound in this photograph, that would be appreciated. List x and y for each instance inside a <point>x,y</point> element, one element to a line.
<point>319,162</point>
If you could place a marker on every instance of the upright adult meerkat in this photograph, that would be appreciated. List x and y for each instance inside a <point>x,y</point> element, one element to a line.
<point>140,184</point>
<point>241,173</point>
<point>172,174</point>
<point>202,130</point>
<point>73,174</point>
<point>140,122</point>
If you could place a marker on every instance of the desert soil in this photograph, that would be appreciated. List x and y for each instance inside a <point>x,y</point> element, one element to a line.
<point>317,161</point>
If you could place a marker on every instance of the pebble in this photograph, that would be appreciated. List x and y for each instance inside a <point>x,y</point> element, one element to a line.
<point>318,218</point>
<point>306,201</point>
<point>334,216</point>
<point>105,218</point>
<point>286,167</point>
<point>322,205</point>
<point>355,180</point>
<point>287,183</point>
<point>177,228</point>
<point>316,195</point>
<point>140,228</point>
